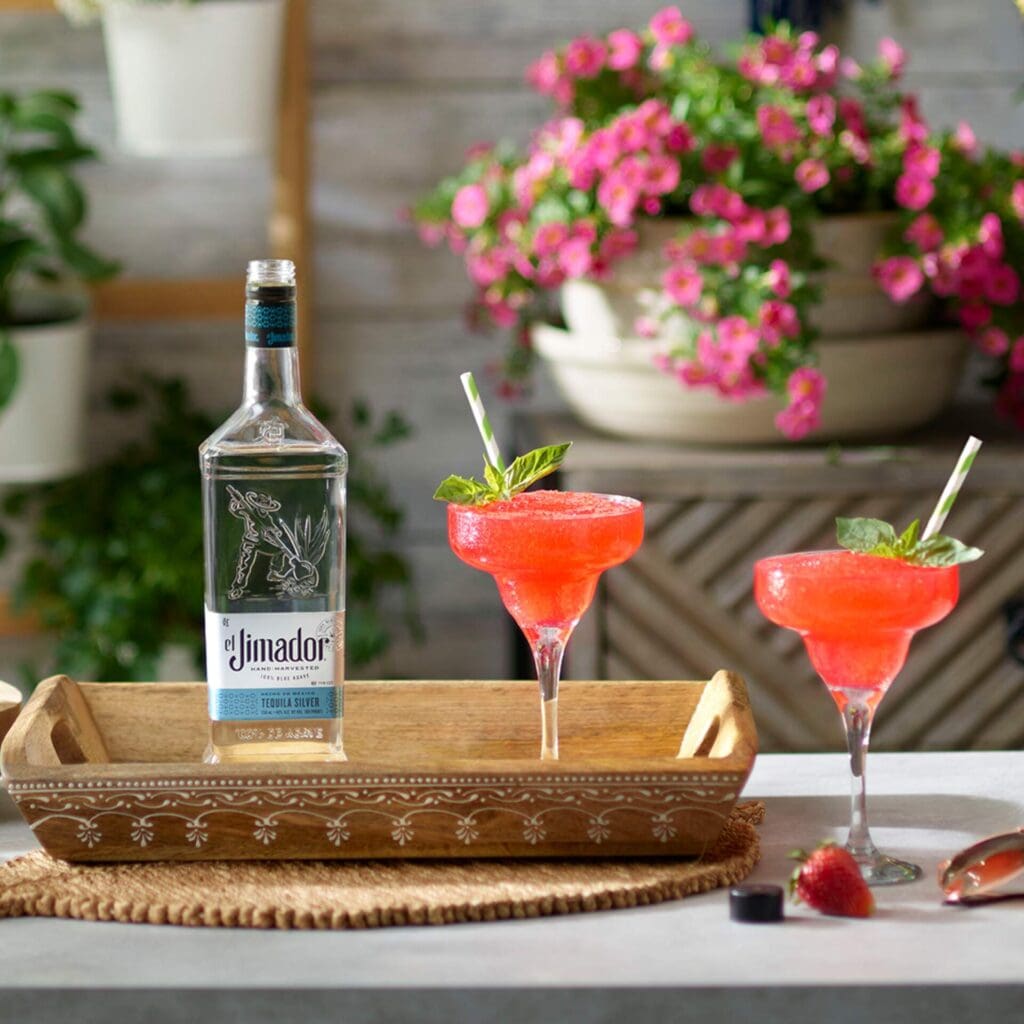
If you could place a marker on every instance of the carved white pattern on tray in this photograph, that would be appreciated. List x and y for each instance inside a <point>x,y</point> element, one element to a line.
<point>175,814</point>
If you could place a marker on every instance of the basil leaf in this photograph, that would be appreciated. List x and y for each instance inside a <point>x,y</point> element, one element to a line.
<point>865,535</point>
<point>908,538</point>
<point>495,480</point>
<point>944,551</point>
<point>460,490</point>
<point>533,466</point>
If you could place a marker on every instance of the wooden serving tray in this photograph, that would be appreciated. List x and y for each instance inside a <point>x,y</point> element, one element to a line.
<point>112,772</point>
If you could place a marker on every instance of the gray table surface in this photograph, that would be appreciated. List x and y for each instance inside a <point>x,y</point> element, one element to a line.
<point>676,961</point>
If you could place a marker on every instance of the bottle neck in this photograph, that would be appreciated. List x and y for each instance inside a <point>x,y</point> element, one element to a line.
<point>271,358</point>
<point>272,375</point>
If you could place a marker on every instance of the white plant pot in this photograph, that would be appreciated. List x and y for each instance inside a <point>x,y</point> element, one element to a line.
<point>852,303</point>
<point>195,79</point>
<point>877,387</point>
<point>42,428</point>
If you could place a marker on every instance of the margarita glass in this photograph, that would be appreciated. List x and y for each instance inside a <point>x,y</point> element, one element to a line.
<point>857,614</point>
<point>546,551</point>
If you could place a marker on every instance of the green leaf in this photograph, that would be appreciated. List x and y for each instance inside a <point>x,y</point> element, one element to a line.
<point>86,263</point>
<point>865,535</point>
<point>58,195</point>
<point>44,122</point>
<point>875,537</point>
<point>460,490</point>
<point>533,466</point>
<point>944,551</point>
<point>9,368</point>
<point>495,480</point>
<point>523,472</point>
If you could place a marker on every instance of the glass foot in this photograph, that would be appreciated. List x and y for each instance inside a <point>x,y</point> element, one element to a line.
<point>882,870</point>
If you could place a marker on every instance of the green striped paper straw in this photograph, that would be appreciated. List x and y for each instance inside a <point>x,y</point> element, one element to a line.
<point>483,424</point>
<point>952,488</point>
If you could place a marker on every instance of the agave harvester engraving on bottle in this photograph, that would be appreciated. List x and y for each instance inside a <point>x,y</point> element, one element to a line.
<point>274,518</point>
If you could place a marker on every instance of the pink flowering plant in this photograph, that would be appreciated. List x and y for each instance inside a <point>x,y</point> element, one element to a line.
<point>753,150</point>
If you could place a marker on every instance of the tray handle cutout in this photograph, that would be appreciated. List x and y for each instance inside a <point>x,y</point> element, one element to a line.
<point>722,724</point>
<point>56,728</point>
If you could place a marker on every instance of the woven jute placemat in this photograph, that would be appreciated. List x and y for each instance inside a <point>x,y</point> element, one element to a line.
<point>366,894</point>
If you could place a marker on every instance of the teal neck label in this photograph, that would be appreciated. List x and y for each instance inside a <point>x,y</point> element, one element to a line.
<point>269,325</point>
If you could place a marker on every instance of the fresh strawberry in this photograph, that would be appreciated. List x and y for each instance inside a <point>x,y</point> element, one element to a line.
<point>829,880</point>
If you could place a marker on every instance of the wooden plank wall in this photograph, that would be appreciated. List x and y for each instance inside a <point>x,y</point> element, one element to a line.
<point>401,88</point>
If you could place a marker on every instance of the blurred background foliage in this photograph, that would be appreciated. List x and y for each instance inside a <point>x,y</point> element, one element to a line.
<point>115,572</point>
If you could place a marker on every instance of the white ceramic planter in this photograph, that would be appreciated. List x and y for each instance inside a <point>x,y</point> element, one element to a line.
<point>195,79</point>
<point>42,429</point>
<point>877,386</point>
<point>852,303</point>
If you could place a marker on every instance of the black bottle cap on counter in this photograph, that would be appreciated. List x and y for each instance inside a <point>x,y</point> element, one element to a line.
<point>759,904</point>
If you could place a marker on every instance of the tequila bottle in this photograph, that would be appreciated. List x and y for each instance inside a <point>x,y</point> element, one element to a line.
<point>274,524</point>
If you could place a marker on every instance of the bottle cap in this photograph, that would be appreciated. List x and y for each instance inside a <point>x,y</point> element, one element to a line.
<point>759,904</point>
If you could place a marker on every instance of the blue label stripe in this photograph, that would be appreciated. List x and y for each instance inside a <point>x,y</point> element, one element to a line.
<point>244,705</point>
<point>269,326</point>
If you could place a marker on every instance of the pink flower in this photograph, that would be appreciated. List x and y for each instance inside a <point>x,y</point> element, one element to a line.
<point>679,139</point>
<point>828,66</point>
<point>777,128</point>
<point>716,159</point>
<point>914,191</point>
<point>431,233</point>
<point>778,320</point>
<point>669,27</point>
<point>485,268</point>
<point>899,276</point>
<point>892,56</point>
<point>470,206</point>
<point>806,384</point>
<point>662,175</point>
<point>779,278</point>
<point>548,237</point>
<point>624,49</point>
<point>974,315</point>
<point>618,198</point>
<point>776,225</point>
<point>616,244</point>
<point>727,249</point>
<point>800,73</point>
<point>737,340</point>
<point>811,175</point>
<point>993,341</point>
<point>503,313</point>
<point>575,257</point>
<point>1002,286</point>
<point>923,160</point>
<point>913,127</point>
<point>925,232</point>
<point>683,283</point>
<point>584,57</point>
<point>990,235</point>
<point>798,419</point>
<point>631,134</point>
<point>821,114</point>
<point>965,140</point>
<point>850,69</point>
<point>1016,360</point>
<point>852,114</point>
<point>603,149</point>
<point>544,73</point>
<point>1017,199</point>
<point>751,226</point>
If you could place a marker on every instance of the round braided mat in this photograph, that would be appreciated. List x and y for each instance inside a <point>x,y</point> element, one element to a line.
<point>366,894</point>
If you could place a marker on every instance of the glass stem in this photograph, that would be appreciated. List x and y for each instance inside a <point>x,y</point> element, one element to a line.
<point>857,717</point>
<point>547,655</point>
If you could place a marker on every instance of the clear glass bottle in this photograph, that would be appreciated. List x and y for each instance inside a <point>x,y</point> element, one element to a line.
<point>274,523</point>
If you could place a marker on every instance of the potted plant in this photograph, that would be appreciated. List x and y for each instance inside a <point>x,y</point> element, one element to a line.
<point>190,78</point>
<point>115,565</point>
<point>44,327</point>
<point>768,232</point>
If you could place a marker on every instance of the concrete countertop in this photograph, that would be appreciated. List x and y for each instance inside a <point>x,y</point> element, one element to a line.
<point>676,961</point>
